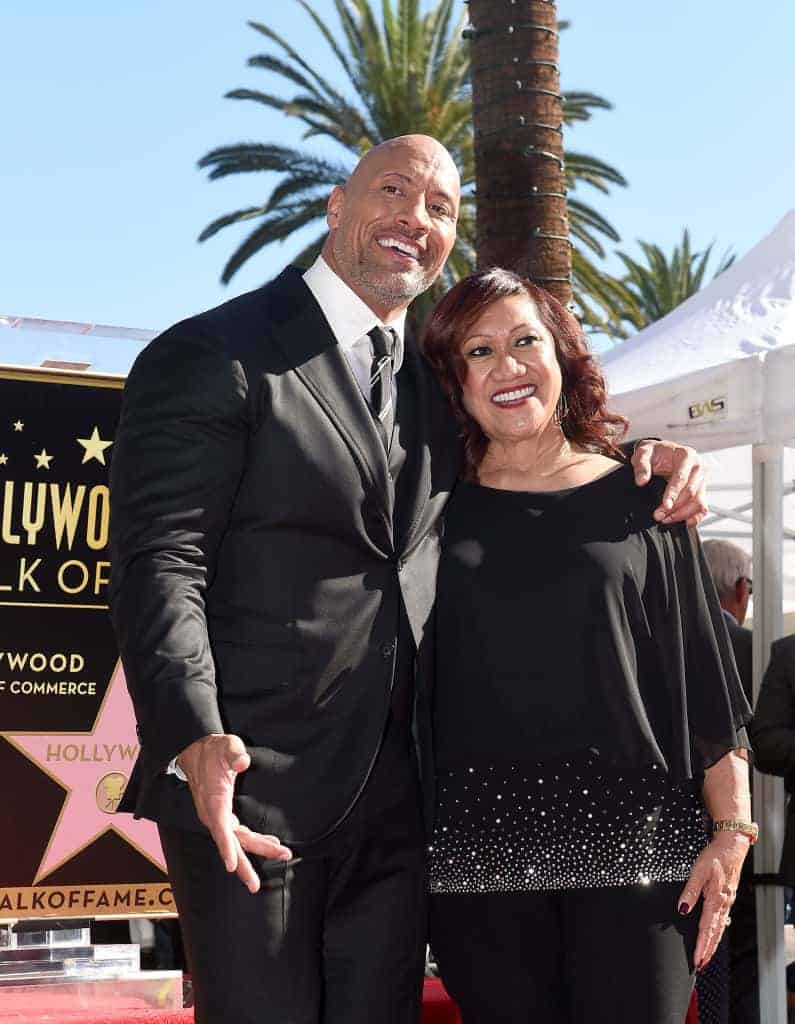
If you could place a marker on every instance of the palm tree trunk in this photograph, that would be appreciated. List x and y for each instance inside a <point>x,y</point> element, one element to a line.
<point>522,222</point>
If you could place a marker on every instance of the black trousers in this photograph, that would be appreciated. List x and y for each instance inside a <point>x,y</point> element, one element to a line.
<point>585,956</point>
<point>337,939</point>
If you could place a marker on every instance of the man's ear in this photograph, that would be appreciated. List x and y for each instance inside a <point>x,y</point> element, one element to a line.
<point>336,201</point>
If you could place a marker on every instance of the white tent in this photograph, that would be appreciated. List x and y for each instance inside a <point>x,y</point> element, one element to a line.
<point>718,372</point>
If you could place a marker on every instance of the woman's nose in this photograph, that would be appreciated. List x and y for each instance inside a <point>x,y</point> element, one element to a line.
<point>509,366</point>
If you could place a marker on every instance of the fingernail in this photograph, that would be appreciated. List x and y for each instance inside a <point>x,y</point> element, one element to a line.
<point>684,908</point>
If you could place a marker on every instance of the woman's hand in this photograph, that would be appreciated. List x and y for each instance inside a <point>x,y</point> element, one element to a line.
<point>715,876</point>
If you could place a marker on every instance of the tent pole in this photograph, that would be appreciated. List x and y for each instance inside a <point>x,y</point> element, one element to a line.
<point>768,792</point>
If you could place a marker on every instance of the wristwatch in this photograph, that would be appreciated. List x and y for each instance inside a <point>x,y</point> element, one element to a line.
<point>746,828</point>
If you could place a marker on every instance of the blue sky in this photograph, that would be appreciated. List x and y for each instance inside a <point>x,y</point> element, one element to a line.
<point>107,108</point>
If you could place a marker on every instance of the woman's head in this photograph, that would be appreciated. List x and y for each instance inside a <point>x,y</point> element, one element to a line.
<point>513,363</point>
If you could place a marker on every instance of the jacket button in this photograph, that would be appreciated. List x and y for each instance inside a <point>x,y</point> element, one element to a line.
<point>401,565</point>
<point>387,650</point>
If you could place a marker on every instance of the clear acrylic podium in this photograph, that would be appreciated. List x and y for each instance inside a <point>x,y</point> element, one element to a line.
<point>59,967</point>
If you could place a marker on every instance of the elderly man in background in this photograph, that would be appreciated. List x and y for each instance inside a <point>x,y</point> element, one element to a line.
<point>730,567</point>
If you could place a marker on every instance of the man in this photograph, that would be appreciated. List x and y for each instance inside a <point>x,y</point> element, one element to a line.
<point>730,567</point>
<point>279,473</point>
<point>773,735</point>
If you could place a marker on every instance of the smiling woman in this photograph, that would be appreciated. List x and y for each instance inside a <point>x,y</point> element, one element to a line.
<point>587,709</point>
<point>495,332</point>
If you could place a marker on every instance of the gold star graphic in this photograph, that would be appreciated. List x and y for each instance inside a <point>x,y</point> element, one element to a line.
<point>19,425</point>
<point>43,460</point>
<point>94,447</point>
<point>3,459</point>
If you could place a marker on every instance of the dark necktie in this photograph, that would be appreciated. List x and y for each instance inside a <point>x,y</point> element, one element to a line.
<point>381,370</point>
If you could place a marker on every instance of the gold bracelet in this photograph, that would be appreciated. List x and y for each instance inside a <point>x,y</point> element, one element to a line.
<point>745,828</point>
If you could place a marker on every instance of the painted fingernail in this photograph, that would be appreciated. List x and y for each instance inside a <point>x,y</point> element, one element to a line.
<point>684,908</point>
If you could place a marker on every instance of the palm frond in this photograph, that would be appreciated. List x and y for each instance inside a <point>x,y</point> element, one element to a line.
<point>274,228</point>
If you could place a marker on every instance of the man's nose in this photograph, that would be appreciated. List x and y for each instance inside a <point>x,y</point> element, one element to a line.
<point>414,214</point>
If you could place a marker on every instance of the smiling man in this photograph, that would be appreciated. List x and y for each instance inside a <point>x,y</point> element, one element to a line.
<point>279,473</point>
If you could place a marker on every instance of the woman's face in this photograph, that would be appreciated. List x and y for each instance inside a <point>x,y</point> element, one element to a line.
<point>513,380</point>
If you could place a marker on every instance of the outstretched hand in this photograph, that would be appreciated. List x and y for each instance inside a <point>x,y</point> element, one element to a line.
<point>212,765</point>
<point>685,495</point>
<point>715,876</point>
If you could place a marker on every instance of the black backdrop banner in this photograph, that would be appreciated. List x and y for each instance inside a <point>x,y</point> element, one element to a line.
<point>67,731</point>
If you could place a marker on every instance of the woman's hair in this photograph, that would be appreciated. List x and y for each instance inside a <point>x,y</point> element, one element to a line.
<point>584,417</point>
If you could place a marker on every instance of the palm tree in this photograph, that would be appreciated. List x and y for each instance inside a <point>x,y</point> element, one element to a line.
<point>664,282</point>
<point>407,72</point>
<point>522,222</point>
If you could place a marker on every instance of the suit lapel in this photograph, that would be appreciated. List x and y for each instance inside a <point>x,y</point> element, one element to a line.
<point>309,346</point>
<point>433,449</point>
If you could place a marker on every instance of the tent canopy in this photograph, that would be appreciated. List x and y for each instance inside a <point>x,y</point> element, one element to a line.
<point>719,370</point>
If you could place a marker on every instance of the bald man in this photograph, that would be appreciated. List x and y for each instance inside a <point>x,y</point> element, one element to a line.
<point>279,473</point>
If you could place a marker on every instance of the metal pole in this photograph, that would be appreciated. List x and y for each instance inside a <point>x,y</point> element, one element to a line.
<point>768,792</point>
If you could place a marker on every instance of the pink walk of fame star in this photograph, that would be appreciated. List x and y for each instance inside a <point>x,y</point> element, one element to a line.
<point>93,768</point>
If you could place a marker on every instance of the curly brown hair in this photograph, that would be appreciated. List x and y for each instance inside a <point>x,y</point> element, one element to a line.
<point>584,417</point>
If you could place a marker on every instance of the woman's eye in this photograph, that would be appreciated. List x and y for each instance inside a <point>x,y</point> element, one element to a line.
<point>478,352</point>
<point>528,339</point>
<point>391,189</point>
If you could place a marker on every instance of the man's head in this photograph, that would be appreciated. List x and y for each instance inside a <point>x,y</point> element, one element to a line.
<point>731,570</point>
<point>392,226</point>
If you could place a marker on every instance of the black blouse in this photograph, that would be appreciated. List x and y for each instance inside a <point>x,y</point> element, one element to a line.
<point>571,621</point>
<point>584,682</point>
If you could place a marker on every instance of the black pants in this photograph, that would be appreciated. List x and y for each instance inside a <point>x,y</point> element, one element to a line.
<point>585,956</point>
<point>337,939</point>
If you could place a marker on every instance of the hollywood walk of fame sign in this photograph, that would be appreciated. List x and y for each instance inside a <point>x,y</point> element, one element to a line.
<point>67,730</point>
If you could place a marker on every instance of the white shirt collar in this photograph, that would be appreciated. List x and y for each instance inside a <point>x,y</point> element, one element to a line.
<point>349,317</point>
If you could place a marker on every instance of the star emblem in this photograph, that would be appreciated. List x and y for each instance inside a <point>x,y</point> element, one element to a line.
<point>19,425</point>
<point>93,769</point>
<point>43,460</point>
<point>3,459</point>
<point>94,447</point>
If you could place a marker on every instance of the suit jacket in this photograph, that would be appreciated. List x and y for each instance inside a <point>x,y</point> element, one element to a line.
<point>742,645</point>
<point>773,733</point>
<point>259,559</point>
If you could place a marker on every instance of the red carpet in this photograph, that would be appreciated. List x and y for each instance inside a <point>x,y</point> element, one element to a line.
<point>437,1009</point>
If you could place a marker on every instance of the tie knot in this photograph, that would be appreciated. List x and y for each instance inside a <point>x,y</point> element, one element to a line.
<point>383,339</point>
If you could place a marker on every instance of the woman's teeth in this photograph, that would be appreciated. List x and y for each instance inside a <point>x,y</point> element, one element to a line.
<point>514,396</point>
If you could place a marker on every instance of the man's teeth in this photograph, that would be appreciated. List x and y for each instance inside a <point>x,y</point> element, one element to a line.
<point>514,396</point>
<point>404,247</point>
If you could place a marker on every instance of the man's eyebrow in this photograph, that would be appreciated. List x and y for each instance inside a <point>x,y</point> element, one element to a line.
<point>408,180</point>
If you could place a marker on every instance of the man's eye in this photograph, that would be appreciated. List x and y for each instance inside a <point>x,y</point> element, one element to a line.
<point>391,189</point>
<point>439,209</point>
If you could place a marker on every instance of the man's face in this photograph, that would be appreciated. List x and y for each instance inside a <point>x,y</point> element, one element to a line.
<point>392,227</point>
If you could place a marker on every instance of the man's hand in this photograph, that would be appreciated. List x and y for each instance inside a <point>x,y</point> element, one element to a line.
<point>685,497</point>
<point>212,764</point>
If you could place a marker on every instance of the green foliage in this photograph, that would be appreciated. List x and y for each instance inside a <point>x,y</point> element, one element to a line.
<point>404,71</point>
<point>663,282</point>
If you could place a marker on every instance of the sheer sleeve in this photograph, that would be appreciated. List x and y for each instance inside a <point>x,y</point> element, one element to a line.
<point>708,709</point>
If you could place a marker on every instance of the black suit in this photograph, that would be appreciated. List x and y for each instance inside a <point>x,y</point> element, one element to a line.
<point>271,579</point>
<point>773,733</point>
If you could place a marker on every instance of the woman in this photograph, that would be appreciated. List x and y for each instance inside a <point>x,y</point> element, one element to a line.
<point>587,704</point>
